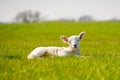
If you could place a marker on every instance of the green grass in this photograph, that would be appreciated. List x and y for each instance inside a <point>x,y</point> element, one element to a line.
<point>101,44</point>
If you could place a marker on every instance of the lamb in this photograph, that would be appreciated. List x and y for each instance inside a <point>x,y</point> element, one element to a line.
<point>73,49</point>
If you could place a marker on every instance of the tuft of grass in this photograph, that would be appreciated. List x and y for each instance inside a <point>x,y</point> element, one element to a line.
<point>101,46</point>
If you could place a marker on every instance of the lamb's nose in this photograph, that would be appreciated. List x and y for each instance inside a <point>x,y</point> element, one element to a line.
<point>75,46</point>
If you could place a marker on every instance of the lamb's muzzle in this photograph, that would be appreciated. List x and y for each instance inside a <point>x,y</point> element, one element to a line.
<point>73,49</point>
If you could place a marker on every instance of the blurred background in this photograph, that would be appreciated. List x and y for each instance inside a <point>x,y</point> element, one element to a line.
<point>59,10</point>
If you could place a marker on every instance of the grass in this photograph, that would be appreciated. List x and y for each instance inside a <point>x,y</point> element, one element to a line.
<point>101,44</point>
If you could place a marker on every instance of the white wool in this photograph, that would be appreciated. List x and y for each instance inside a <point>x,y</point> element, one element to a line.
<point>73,49</point>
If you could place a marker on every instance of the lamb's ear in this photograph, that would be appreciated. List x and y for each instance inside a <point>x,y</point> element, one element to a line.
<point>81,35</point>
<point>65,39</point>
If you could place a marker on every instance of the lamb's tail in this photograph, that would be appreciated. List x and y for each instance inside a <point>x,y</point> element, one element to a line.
<point>30,57</point>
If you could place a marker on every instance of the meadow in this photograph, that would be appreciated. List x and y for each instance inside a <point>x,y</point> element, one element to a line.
<point>101,45</point>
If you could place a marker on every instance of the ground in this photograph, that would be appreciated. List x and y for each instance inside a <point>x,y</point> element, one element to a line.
<point>101,45</point>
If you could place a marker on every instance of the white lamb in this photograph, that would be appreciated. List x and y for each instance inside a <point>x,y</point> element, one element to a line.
<point>73,49</point>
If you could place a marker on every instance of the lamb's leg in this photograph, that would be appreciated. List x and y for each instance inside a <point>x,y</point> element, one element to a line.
<point>37,52</point>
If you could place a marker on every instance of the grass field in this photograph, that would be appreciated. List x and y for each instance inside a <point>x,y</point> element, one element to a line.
<point>101,44</point>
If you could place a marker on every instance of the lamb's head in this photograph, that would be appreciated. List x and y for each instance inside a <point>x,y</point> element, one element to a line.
<point>73,41</point>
